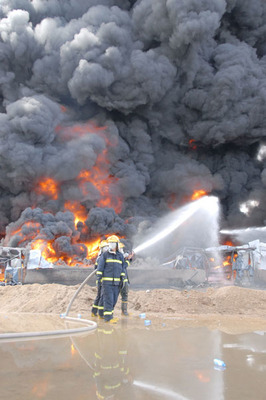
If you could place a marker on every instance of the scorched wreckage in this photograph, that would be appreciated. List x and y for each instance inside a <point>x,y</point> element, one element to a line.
<point>115,112</point>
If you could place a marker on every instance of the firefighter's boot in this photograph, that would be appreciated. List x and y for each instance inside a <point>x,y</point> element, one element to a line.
<point>124,308</point>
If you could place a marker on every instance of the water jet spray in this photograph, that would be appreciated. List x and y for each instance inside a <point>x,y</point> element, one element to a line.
<point>208,203</point>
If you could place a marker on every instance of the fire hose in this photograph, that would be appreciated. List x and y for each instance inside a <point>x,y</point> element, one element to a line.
<point>77,292</point>
<point>22,336</point>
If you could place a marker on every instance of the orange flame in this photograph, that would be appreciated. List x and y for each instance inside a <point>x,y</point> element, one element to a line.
<point>93,248</point>
<point>77,209</point>
<point>226,263</point>
<point>49,254</point>
<point>198,194</point>
<point>24,235</point>
<point>46,248</point>
<point>228,243</point>
<point>173,197</point>
<point>192,144</point>
<point>47,187</point>
<point>104,183</point>
<point>98,176</point>
<point>88,250</point>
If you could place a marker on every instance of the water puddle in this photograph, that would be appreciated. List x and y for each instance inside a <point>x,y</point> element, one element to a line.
<point>133,361</point>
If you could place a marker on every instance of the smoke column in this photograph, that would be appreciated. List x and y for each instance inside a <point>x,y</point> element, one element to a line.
<point>114,112</point>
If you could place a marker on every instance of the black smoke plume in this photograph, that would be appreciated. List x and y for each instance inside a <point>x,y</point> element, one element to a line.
<point>165,97</point>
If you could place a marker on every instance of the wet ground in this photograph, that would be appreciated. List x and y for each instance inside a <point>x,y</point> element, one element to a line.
<point>133,361</point>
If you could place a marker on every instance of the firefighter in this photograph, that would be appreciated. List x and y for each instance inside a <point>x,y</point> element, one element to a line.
<point>96,305</point>
<point>125,285</point>
<point>111,270</point>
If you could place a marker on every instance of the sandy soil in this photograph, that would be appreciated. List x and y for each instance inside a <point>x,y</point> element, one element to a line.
<point>231,309</point>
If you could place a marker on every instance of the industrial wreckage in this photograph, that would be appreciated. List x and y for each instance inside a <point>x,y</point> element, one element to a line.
<point>243,265</point>
<point>13,264</point>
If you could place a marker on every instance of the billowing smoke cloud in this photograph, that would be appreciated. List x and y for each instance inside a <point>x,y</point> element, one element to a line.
<point>126,108</point>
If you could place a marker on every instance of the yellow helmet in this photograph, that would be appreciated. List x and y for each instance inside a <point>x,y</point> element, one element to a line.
<point>112,239</point>
<point>103,243</point>
<point>121,245</point>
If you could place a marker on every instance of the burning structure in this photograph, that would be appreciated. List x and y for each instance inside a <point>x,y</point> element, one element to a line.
<point>114,112</point>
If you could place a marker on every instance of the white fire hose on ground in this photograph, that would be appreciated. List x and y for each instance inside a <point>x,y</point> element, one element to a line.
<point>77,292</point>
<point>22,336</point>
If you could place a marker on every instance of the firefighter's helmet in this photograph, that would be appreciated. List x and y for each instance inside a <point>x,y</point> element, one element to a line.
<point>103,244</point>
<point>113,239</point>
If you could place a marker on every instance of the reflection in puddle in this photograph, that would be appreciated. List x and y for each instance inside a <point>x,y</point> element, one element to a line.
<point>131,361</point>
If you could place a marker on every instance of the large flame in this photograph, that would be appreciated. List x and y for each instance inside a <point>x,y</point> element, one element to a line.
<point>104,182</point>
<point>99,175</point>
<point>46,248</point>
<point>93,248</point>
<point>49,253</point>
<point>48,187</point>
<point>79,211</point>
<point>27,232</point>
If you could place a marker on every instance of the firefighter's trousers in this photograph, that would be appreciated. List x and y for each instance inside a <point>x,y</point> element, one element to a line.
<point>109,295</point>
<point>96,305</point>
<point>124,298</point>
<point>124,292</point>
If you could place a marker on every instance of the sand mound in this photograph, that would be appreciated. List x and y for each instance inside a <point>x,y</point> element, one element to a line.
<point>54,298</point>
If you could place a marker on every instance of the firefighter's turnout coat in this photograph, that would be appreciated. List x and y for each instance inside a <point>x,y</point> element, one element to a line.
<point>111,268</point>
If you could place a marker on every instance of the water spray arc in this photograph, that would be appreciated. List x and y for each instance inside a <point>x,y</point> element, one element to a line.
<point>209,203</point>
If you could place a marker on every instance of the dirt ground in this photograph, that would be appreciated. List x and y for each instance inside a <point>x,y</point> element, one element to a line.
<point>231,309</point>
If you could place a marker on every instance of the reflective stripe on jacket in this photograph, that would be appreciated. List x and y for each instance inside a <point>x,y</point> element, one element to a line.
<point>111,268</point>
